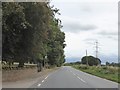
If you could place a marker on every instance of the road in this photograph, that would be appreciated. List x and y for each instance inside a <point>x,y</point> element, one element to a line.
<point>68,77</point>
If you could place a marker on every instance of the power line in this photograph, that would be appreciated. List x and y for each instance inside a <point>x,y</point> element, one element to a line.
<point>86,58</point>
<point>96,46</point>
<point>96,49</point>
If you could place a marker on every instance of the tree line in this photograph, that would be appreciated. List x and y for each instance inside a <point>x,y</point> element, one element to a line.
<point>31,33</point>
<point>90,60</point>
<point>113,64</point>
<point>87,60</point>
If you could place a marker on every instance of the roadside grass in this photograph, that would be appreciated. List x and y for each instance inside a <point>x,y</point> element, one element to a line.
<point>107,72</point>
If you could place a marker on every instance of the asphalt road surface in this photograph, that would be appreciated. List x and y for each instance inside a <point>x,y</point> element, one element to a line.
<point>68,77</point>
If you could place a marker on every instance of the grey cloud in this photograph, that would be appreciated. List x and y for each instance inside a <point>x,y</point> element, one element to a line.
<point>75,27</point>
<point>111,35</point>
<point>107,33</point>
<point>86,9</point>
<point>90,41</point>
<point>109,58</point>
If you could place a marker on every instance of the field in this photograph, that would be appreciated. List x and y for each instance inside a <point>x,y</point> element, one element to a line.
<point>107,72</point>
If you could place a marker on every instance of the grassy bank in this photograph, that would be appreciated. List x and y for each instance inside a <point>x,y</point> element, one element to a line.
<point>107,72</point>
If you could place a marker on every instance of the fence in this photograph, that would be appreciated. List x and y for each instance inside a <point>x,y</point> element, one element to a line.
<point>15,66</point>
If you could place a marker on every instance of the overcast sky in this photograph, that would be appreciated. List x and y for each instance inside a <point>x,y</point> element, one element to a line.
<point>84,22</point>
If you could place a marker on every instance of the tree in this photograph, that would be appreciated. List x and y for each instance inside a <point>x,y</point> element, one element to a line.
<point>14,24</point>
<point>107,63</point>
<point>91,60</point>
<point>55,42</point>
<point>31,32</point>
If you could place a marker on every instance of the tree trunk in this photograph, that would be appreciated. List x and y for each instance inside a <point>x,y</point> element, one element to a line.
<point>39,66</point>
<point>21,64</point>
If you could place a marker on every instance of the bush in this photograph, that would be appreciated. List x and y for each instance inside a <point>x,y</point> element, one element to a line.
<point>112,70</point>
<point>76,66</point>
<point>106,72</point>
<point>67,64</point>
<point>104,67</point>
<point>109,70</point>
<point>84,67</point>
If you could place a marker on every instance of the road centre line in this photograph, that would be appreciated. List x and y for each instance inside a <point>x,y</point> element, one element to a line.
<point>46,77</point>
<point>43,80</point>
<point>78,77</point>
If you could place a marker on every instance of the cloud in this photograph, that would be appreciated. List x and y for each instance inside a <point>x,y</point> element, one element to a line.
<point>112,37</point>
<point>82,24</point>
<point>109,58</point>
<point>104,58</point>
<point>108,33</point>
<point>73,59</point>
<point>86,9</point>
<point>75,26</point>
<point>90,41</point>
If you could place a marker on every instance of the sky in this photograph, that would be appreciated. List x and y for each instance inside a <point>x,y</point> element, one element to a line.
<point>85,22</point>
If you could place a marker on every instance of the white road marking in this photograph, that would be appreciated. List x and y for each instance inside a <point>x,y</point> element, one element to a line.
<point>71,71</point>
<point>82,80</point>
<point>42,80</point>
<point>39,85</point>
<point>46,77</point>
<point>78,77</point>
<point>74,74</point>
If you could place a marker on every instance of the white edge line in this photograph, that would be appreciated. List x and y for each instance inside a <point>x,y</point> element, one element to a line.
<point>73,73</point>
<point>82,80</point>
<point>78,77</point>
<point>39,85</point>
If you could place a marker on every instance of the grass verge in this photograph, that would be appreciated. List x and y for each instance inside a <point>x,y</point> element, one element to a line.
<point>110,73</point>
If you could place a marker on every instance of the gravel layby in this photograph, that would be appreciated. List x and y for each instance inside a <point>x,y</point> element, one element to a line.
<point>23,78</point>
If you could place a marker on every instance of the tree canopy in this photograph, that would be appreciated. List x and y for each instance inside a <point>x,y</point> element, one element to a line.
<point>91,60</point>
<point>30,32</point>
